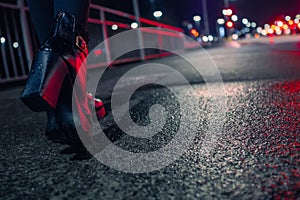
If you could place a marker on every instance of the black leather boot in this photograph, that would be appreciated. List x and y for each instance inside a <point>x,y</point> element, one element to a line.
<point>49,69</point>
<point>50,84</point>
<point>53,130</point>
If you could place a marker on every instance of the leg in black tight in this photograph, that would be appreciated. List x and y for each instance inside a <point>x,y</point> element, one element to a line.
<point>42,15</point>
<point>43,12</point>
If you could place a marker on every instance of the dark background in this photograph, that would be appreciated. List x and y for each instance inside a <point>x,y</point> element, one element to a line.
<point>175,12</point>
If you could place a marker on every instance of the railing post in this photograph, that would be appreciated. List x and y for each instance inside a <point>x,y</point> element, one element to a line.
<point>105,36</point>
<point>9,45</point>
<point>139,32</point>
<point>25,33</point>
<point>206,21</point>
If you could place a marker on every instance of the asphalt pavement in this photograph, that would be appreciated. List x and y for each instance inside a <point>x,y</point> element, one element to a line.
<point>255,154</point>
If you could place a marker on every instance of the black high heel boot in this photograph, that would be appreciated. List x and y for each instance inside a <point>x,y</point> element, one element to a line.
<point>50,84</point>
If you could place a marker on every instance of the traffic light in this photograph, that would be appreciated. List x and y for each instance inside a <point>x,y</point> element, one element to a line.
<point>229,24</point>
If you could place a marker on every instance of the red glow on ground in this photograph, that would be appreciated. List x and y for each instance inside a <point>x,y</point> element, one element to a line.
<point>284,182</point>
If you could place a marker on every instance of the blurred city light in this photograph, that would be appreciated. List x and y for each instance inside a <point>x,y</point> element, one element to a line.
<point>234,18</point>
<point>222,31</point>
<point>227,12</point>
<point>195,33</point>
<point>264,32</point>
<point>270,31</point>
<point>134,25</point>
<point>266,26</point>
<point>253,25</point>
<point>15,45</point>
<point>229,24</point>
<point>2,40</point>
<point>197,18</point>
<point>245,21</point>
<point>205,39</point>
<point>210,38</point>
<point>221,21</point>
<point>248,36</point>
<point>247,30</point>
<point>273,27</point>
<point>189,26</point>
<point>235,36</point>
<point>259,30</point>
<point>291,22</point>
<point>287,18</point>
<point>280,23</point>
<point>278,30</point>
<point>157,14</point>
<point>248,24</point>
<point>287,31</point>
<point>114,27</point>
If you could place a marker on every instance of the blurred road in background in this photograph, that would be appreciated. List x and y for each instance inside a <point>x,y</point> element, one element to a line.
<point>256,156</point>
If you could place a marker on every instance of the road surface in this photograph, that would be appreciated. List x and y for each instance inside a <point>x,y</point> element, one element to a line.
<point>254,156</point>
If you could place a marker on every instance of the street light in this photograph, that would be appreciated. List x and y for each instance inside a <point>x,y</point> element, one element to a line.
<point>205,38</point>
<point>15,45</point>
<point>134,25</point>
<point>157,14</point>
<point>2,40</point>
<point>114,27</point>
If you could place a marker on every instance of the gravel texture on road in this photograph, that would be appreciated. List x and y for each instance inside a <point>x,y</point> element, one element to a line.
<point>256,156</point>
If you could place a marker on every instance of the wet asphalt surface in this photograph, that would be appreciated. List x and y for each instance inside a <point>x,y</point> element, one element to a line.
<point>255,155</point>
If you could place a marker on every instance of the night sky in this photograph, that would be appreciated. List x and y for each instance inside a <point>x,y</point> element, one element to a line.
<point>175,12</point>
